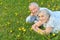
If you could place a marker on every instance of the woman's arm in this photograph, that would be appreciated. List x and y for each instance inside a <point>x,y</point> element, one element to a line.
<point>48,30</point>
<point>36,28</point>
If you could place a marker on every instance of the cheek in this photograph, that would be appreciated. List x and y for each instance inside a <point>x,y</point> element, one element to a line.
<point>32,11</point>
<point>36,9</point>
<point>43,18</point>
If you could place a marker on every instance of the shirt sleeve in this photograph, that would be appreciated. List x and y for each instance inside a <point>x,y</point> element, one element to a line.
<point>50,23</point>
<point>46,9</point>
<point>30,19</point>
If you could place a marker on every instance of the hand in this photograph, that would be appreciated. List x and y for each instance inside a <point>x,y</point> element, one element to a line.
<point>32,14</point>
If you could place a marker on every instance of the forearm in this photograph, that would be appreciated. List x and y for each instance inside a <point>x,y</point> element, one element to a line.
<point>46,31</point>
<point>40,31</point>
<point>37,29</point>
<point>30,19</point>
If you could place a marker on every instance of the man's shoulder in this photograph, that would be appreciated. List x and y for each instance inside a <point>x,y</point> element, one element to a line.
<point>41,8</point>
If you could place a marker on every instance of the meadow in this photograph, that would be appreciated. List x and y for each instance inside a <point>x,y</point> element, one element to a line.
<point>13,24</point>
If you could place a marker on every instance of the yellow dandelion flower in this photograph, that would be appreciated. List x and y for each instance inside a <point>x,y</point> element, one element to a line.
<point>24,30</point>
<point>5,7</point>
<point>54,34</point>
<point>52,0</point>
<point>56,8</point>
<point>28,11</point>
<point>1,3</point>
<point>19,28</point>
<point>29,1</point>
<point>11,31</point>
<point>17,22</point>
<point>41,3</point>
<point>48,5</point>
<point>53,9</point>
<point>16,14</point>
<point>18,35</point>
<point>39,31</point>
<point>31,29</point>
<point>8,23</point>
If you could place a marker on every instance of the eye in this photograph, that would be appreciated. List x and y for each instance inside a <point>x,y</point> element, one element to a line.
<point>38,16</point>
<point>42,16</point>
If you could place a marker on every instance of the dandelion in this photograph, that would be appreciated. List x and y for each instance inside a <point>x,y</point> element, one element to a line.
<point>5,7</point>
<point>53,9</point>
<point>41,3</point>
<point>54,34</point>
<point>17,22</point>
<point>8,23</point>
<point>52,0</point>
<point>18,35</point>
<point>48,5</point>
<point>28,11</point>
<point>19,28</point>
<point>11,31</point>
<point>39,31</point>
<point>0,3</point>
<point>29,0</point>
<point>56,8</point>
<point>16,14</point>
<point>24,30</point>
<point>31,29</point>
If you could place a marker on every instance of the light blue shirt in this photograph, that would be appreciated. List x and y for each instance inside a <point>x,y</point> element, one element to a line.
<point>54,22</point>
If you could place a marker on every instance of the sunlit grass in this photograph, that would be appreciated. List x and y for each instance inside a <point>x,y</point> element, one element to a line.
<point>12,20</point>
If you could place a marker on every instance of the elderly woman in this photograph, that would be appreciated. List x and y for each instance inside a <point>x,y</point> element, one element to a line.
<point>51,22</point>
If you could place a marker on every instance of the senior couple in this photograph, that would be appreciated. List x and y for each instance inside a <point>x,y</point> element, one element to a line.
<point>43,16</point>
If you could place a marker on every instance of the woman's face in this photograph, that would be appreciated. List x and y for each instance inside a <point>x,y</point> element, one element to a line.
<point>42,17</point>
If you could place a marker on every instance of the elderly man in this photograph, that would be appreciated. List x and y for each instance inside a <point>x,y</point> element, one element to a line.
<point>34,8</point>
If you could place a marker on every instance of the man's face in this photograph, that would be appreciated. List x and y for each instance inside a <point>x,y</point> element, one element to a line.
<point>33,9</point>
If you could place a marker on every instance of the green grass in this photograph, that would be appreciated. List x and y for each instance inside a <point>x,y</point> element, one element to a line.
<point>12,19</point>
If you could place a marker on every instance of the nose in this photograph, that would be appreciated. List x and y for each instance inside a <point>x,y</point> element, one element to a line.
<point>40,18</point>
<point>33,11</point>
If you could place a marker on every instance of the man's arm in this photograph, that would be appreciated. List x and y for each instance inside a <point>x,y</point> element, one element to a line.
<point>31,18</point>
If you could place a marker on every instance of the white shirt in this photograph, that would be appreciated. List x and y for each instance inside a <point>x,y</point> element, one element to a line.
<point>54,22</point>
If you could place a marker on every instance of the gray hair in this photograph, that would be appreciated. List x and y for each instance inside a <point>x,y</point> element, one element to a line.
<point>46,12</point>
<point>34,4</point>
